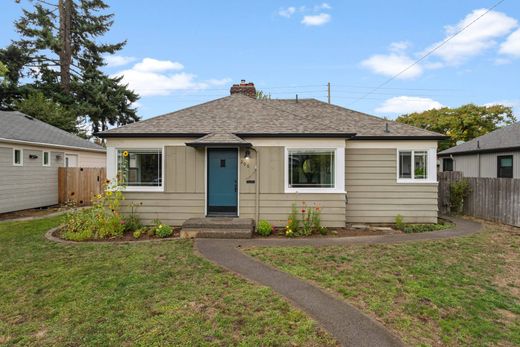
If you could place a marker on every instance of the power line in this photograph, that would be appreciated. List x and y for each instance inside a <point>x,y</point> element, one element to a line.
<point>429,52</point>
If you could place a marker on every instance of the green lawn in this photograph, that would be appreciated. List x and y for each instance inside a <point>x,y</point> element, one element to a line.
<point>457,292</point>
<point>137,294</point>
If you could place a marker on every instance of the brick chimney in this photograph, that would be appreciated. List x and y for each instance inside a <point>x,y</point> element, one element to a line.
<point>247,89</point>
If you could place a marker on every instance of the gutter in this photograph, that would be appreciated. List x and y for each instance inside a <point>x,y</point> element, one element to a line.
<point>401,137</point>
<point>43,144</point>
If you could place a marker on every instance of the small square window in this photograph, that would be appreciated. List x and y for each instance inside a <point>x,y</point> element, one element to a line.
<point>447,164</point>
<point>222,162</point>
<point>413,166</point>
<point>18,157</point>
<point>505,166</point>
<point>46,159</point>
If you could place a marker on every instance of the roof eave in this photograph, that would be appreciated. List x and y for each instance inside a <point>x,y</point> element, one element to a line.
<point>485,150</point>
<point>332,135</point>
<point>120,135</point>
<point>218,144</point>
<point>401,137</point>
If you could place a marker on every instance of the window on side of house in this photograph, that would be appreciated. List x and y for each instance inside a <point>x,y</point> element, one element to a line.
<point>505,166</point>
<point>17,157</point>
<point>311,168</point>
<point>413,165</point>
<point>140,168</point>
<point>447,164</point>
<point>46,158</point>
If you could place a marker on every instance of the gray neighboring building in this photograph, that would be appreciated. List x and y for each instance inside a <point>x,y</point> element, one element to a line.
<point>30,153</point>
<point>496,154</point>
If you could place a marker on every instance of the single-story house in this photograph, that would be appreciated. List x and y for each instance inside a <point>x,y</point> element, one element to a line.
<point>496,154</point>
<point>30,153</point>
<point>254,158</point>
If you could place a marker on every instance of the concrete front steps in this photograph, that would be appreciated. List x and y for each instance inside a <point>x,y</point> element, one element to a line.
<point>218,228</point>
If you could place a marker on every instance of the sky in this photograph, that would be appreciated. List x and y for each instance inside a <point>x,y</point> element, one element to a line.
<point>182,53</point>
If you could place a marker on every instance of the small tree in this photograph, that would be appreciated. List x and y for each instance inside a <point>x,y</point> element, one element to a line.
<point>459,190</point>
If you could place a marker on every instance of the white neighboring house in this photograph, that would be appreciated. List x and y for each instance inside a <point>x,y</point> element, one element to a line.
<point>30,153</point>
<point>494,155</point>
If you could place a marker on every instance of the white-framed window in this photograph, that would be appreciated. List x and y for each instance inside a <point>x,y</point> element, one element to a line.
<point>416,166</point>
<point>140,169</point>
<point>46,158</point>
<point>17,157</point>
<point>314,170</point>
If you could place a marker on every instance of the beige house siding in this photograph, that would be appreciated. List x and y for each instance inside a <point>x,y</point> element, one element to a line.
<point>374,196</point>
<point>469,164</point>
<point>31,185</point>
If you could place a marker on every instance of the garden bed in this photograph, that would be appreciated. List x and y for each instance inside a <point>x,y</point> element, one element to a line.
<point>125,237</point>
<point>280,232</point>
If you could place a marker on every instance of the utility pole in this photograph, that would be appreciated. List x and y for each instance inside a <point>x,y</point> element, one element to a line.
<point>65,54</point>
<point>328,92</point>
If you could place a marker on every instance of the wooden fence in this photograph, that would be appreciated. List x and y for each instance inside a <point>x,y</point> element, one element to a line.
<point>79,185</point>
<point>494,199</point>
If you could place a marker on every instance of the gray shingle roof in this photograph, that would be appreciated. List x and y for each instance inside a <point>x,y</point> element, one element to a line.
<point>219,139</point>
<point>504,138</point>
<point>242,115</point>
<point>20,127</point>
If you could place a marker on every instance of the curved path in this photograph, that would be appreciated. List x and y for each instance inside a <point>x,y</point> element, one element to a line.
<point>346,323</point>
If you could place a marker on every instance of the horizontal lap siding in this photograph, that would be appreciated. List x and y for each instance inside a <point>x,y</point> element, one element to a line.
<point>374,196</point>
<point>31,185</point>
<point>183,197</point>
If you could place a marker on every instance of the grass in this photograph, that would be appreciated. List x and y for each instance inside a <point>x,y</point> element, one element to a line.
<point>137,294</point>
<point>456,292</point>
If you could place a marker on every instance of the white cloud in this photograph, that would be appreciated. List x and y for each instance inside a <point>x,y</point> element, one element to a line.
<point>322,6</point>
<point>407,104</point>
<point>287,12</point>
<point>475,39</point>
<point>157,77</point>
<point>154,65</point>
<point>117,60</point>
<point>317,20</point>
<point>392,64</point>
<point>399,46</point>
<point>511,46</point>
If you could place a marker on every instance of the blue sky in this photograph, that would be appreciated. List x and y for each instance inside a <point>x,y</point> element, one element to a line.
<point>181,53</point>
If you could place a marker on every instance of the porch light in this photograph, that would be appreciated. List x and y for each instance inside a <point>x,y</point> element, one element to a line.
<point>247,155</point>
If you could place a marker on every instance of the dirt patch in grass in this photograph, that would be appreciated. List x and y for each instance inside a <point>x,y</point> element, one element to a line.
<point>33,212</point>
<point>455,292</point>
<point>149,294</point>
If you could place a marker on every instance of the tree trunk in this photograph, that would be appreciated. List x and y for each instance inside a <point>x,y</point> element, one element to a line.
<point>65,8</point>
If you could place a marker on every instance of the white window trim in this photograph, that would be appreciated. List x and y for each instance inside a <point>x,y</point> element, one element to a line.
<point>43,158</point>
<point>431,174</point>
<point>112,168</point>
<point>21,157</point>
<point>339,171</point>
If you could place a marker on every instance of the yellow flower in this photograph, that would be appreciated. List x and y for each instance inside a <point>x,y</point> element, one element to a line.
<point>98,196</point>
<point>125,154</point>
<point>109,192</point>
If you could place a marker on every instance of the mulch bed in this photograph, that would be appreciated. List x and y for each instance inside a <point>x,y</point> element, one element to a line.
<point>33,212</point>
<point>279,232</point>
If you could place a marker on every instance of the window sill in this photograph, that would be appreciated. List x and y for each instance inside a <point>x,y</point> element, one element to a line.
<point>314,191</point>
<point>412,181</point>
<point>144,189</point>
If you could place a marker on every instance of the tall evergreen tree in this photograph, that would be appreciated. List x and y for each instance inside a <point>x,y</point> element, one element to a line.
<point>61,40</point>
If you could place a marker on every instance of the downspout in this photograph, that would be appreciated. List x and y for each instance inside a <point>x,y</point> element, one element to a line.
<point>257,186</point>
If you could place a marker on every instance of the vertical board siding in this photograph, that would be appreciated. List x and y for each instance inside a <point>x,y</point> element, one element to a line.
<point>184,169</point>
<point>494,199</point>
<point>79,185</point>
<point>469,164</point>
<point>373,194</point>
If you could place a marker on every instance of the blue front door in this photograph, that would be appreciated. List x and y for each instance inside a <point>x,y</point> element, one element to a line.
<point>222,180</point>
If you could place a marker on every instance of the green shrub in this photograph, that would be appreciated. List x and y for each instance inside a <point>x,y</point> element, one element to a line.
<point>132,223</point>
<point>163,230</point>
<point>459,190</point>
<point>399,223</point>
<point>293,221</point>
<point>137,234</point>
<point>150,231</point>
<point>421,228</point>
<point>323,230</point>
<point>264,228</point>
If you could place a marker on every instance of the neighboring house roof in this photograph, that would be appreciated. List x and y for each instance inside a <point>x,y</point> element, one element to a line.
<point>18,127</point>
<point>500,140</point>
<point>245,116</point>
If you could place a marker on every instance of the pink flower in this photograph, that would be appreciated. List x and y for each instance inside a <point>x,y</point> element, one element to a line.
<point>122,222</point>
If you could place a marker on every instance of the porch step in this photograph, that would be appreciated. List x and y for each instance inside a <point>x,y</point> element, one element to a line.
<point>218,228</point>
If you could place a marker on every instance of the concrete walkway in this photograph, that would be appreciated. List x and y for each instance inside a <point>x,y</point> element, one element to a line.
<point>346,323</point>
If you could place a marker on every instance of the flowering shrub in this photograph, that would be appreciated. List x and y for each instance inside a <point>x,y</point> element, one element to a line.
<point>163,230</point>
<point>304,222</point>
